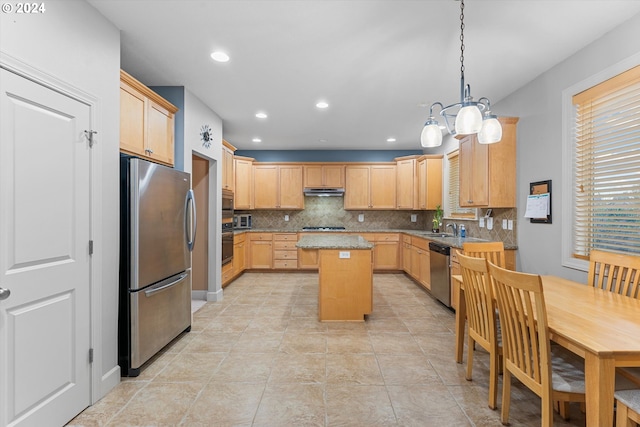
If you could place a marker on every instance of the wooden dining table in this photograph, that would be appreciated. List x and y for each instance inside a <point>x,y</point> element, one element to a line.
<point>600,326</point>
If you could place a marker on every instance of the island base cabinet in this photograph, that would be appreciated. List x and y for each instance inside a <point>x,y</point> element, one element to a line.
<point>346,284</point>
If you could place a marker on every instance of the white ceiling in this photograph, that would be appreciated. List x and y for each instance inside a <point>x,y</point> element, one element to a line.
<point>374,61</point>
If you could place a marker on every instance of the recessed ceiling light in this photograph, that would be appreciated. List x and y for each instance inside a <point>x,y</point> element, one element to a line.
<point>322,140</point>
<point>261,115</point>
<point>256,140</point>
<point>322,104</point>
<point>391,140</point>
<point>219,56</point>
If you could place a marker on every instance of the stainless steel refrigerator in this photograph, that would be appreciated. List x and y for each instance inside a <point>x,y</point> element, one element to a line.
<point>157,223</point>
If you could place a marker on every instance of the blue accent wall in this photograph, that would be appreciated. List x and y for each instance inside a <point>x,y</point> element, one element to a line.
<point>326,155</point>
<point>175,95</point>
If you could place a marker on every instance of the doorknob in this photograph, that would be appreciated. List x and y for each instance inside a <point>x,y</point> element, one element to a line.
<point>4,293</point>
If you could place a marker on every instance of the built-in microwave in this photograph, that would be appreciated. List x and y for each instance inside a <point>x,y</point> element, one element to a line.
<point>242,221</point>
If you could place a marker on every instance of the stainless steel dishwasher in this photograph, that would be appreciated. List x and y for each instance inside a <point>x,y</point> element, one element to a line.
<point>440,275</point>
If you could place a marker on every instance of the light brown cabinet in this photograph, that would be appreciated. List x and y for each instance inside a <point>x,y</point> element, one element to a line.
<point>407,183</point>
<point>146,122</point>
<point>260,250</point>
<point>277,186</point>
<point>285,253</point>
<point>324,176</point>
<point>488,171</point>
<point>386,251</point>
<point>243,191</point>
<point>429,182</point>
<point>228,166</point>
<point>406,254</point>
<point>239,254</point>
<point>418,266</point>
<point>370,187</point>
<point>307,258</point>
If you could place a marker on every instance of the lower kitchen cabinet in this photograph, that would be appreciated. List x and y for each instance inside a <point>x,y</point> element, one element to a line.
<point>285,253</point>
<point>260,250</point>
<point>239,254</point>
<point>227,273</point>
<point>307,258</point>
<point>420,261</point>
<point>386,251</point>
<point>406,253</point>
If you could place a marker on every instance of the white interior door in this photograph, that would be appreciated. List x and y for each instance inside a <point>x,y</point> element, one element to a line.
<point>44,254</point>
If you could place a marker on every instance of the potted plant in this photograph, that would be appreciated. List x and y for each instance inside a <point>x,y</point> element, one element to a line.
<point>437,219</point>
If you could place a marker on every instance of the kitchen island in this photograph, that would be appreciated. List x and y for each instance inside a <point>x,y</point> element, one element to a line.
<point>345,291</point>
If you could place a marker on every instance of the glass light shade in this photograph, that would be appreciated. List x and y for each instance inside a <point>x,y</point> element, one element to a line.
<point>491,131</point>
<point>468,120</point>
<point>431,135</point>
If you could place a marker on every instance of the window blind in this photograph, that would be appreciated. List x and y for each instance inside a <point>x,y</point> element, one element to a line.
<point>607,166</point>
<point>453,198</point>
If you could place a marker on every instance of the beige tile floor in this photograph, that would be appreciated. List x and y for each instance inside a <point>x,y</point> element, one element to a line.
<point>261,358</point>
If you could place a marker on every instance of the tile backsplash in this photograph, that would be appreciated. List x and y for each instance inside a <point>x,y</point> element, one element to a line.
<point>329,211</point>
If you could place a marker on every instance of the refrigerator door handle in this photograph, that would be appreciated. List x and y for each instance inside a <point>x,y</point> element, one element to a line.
<point>154,290</point>
<point>190,234</point>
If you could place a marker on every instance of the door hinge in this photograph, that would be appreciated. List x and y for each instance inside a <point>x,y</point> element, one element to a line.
<point>90,355</point>
<point>89,134</point>
<point>90,247</point>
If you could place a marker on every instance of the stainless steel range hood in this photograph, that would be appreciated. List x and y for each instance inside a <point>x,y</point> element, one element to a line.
<point>324,192</point>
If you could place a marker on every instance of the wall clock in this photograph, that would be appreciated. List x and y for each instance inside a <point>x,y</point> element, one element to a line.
<point>206,136</point>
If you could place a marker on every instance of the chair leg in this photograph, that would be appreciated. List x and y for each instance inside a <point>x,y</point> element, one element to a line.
<point>493,378</point>
<point>547,411</point>
<point>506,396</point>
<point>470,345</point>
<point>563,409</point>
<point>622,415</point>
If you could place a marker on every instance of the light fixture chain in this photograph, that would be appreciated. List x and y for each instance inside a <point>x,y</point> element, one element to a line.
<point>462,37</point>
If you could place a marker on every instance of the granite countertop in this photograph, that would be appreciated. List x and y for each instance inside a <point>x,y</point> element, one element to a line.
<point>334,241</point>
<point>448,239</point>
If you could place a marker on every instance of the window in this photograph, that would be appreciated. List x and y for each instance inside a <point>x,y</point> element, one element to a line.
<point>452,208</point>
<point>606,173</point>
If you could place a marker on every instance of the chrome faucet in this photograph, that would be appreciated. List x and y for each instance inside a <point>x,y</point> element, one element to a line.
<point>454,227</point>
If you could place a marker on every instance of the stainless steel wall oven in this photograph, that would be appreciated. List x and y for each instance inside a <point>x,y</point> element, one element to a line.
<point>227,226</point>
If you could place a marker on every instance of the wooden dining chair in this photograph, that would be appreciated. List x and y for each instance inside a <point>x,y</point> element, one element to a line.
<point>482,319</point>
<point>619,273</point>
<point>628,408</point>
<point>491,251</point>
<point>526,346</point>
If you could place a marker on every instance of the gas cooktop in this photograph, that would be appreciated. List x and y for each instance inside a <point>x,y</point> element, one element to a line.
<point>322,228</point>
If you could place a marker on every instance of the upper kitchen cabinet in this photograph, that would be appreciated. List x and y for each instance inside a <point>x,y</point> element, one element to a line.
<point>146,122</point>
<point>370,186</point>
<point>419,182</point>
<point>228,167</point>
<point>277,186</point>
<point>488,171</point>
<point>324,176</point>
<point>429,182</point>
<point>407,182</point>
<point>243,192</point>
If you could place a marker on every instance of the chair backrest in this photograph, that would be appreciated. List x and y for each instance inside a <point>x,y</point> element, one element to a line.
<point>481,305</point>
<point>614,272</point>
<point>523,322</point>
<point>491,251</point>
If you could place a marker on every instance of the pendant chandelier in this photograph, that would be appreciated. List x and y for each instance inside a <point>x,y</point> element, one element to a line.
<point>465,117</point>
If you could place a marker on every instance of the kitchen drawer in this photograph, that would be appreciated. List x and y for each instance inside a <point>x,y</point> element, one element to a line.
<point>292,237</point>
<point>283,264</point>
<point>420,243</point>
<point>260,236</point>
<point>406,238</point>
<point>387,237</point>
<point>284,245</point>
<point>239,238</point>
<point>293,255</point>
<point>227,272</point>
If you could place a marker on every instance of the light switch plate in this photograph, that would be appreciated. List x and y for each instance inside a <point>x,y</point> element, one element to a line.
<point>414,217</point>
<point>481,222</point>
<point>510,224</point>
<point>490,223</point>
<point>504,224</point>
<point>286,217</point>
<point>361,218</point>
<point>345,255</point>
